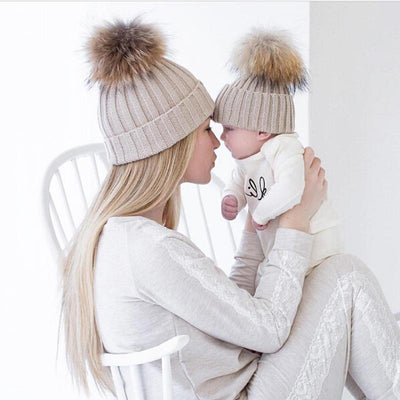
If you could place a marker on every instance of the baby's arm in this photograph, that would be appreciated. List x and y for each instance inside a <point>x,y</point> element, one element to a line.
<point>233,199</point>
<point>287,163</point>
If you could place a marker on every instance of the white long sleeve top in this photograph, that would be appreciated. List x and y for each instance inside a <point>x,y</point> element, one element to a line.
<point>152,283</point>
<point>272,182</point>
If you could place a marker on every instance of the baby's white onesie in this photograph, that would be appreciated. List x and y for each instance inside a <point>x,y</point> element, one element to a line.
<point>271,182</point>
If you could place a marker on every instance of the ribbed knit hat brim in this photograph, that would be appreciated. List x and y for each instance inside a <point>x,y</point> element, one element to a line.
<point>252,110</point>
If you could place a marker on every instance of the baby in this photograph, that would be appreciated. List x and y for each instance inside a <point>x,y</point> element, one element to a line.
<point>257,114</point>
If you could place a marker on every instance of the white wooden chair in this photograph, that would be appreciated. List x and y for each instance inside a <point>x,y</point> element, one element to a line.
<point>83,168</point>
<point>132,360</point>
<point>70,184</point>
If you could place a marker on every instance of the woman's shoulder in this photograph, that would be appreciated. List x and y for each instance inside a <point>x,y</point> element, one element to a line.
<point>149,244</point>
<point>145,231</point>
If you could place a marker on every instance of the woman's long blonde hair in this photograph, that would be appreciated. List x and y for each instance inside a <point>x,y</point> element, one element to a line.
<point>128,189</point>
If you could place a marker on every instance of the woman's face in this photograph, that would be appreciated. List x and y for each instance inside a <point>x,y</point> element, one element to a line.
<point>203,157</point>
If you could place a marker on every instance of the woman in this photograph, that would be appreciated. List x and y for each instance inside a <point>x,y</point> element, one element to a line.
<point>131,281</point>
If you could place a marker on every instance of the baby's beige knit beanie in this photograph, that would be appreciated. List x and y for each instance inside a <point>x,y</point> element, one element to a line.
<point>261,99</point>
<point>147,102</point>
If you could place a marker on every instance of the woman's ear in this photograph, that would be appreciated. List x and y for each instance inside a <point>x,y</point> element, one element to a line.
<point>263,136</point>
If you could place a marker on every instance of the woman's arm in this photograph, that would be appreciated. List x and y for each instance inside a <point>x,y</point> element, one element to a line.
<point>171,272</point>
<point>248,257</point>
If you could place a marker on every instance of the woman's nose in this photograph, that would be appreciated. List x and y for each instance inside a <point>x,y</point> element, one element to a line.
<point>223,135</point>
<point>216,142</point>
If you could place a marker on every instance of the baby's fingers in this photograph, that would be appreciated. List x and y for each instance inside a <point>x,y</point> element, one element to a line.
<point>258,226</point>
<point>230,208</point>
<point>230,200</point>
<point>228,215</point>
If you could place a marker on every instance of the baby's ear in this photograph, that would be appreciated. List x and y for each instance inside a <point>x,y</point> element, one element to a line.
<point>263,135</point>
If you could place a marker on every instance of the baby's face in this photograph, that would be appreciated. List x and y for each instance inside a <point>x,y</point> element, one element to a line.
<point>242,143</point>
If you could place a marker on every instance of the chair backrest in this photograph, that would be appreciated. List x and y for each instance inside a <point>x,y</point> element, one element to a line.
<point>132,360</point>
<point>68,187</point>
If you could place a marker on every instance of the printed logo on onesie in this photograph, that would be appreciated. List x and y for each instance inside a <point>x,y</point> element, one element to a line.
<point>257,190</point>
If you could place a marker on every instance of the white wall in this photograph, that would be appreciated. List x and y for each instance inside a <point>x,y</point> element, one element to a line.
<point>355,126</point>
<point>46,109</point>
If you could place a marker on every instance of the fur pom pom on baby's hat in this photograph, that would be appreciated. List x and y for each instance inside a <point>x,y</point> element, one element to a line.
<point>270,56</point>
<point>147,102</point>
<point>270,71</point>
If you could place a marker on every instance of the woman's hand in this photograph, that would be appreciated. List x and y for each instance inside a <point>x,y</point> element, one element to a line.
<point>315,192</point>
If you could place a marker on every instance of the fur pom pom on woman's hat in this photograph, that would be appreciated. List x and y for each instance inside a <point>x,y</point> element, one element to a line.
<point>270,71</point>
<point>147,102</point>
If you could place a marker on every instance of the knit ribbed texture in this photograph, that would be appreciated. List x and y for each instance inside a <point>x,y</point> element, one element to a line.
<point>250,104</point>
<point>153,113</point>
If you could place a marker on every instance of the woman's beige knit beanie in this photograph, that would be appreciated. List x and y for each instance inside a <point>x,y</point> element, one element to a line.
<point>261,99</point>
<point>147,102</point>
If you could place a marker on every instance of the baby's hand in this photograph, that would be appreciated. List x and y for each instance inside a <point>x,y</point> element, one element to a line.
<point>229,207</point>
<point>258,226</point>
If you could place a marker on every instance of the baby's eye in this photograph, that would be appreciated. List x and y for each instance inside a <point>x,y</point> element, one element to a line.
<point>209,129</point>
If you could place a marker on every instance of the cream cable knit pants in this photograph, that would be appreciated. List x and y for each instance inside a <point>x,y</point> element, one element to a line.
<point>344,333</point>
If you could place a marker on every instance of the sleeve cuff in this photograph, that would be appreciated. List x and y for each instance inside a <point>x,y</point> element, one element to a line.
<point>294,240</point>
<point>261,219</point>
